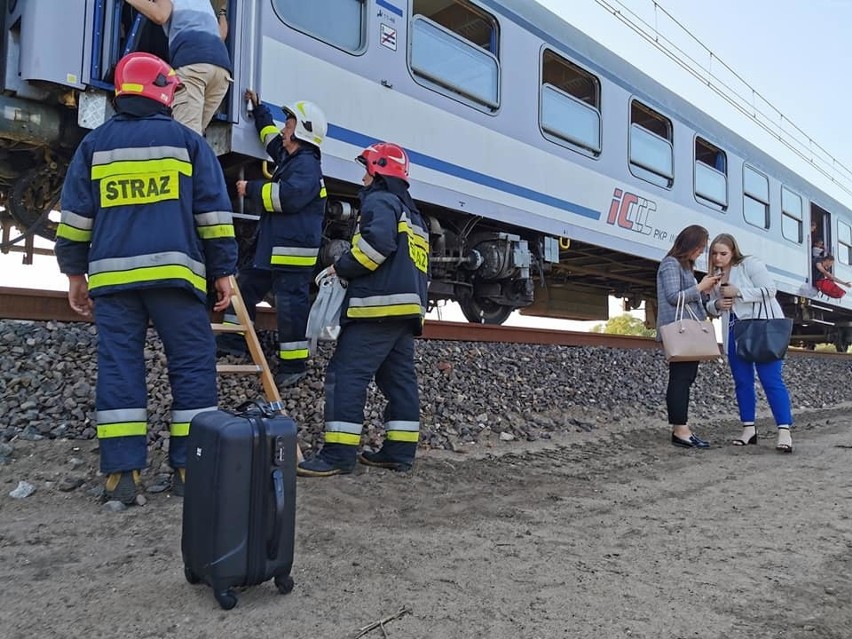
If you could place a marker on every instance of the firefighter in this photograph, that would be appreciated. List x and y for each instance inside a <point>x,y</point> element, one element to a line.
<point>145,223</point>
<point>385,303</point>
<point>292,208</point>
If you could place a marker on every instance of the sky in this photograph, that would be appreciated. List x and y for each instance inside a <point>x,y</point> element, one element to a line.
<point>794,53</point>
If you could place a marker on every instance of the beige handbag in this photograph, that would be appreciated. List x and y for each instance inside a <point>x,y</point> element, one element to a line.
<point>689,339</point>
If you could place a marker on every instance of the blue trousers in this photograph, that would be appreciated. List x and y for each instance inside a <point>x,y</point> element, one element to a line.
<point>771,380</point>
<point>366,350</point>
<point>292,306</point>
<point>183,324</point>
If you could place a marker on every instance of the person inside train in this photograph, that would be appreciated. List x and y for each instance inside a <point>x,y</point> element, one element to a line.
<point>675,277</point>
<point>386,270</point>
<point>145,222</point>
<point>745,284</point>
<point>197,52</point>
<point>825,281</point>
<point>292,208</point>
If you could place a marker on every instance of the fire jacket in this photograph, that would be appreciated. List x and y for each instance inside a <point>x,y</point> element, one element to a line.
<point>144,205</point>
<point>292,203</point>
<point>388,262</point>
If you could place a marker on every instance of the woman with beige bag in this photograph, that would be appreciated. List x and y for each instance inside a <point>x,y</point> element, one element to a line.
<point>676,280</point>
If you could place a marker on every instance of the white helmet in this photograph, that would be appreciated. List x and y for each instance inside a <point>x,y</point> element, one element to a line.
<point>311,125</point>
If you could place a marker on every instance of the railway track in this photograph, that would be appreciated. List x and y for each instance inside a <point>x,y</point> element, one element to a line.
<point>40,305</point>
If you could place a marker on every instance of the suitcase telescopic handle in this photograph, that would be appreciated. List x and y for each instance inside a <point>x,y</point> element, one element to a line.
<point>273,544</point>
<point>255,406</point>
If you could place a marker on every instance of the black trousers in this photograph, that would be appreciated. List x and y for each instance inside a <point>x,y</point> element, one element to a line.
<point>681,376</point>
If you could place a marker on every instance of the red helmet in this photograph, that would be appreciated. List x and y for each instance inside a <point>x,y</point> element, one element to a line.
<point>385,158</point>
<point>146,75</point>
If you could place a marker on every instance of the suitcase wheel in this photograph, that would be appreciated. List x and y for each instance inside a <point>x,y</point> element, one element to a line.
<point>191,577</point>
<point>284,584</point>
<point>226,598</point>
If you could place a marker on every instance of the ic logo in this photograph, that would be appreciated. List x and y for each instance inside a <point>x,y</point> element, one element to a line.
<point>631,212</point>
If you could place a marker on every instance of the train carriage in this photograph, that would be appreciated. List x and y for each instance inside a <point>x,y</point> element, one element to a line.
<point>553,174</point>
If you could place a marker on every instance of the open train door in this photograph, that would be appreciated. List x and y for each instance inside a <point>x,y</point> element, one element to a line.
<point>820,235</point>
<point>118,29</point>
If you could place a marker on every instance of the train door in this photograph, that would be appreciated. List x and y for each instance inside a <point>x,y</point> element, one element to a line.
<point>118,29</point>
<point>820,235</point>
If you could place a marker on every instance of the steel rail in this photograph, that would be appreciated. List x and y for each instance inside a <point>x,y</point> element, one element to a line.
<point>42,306</point>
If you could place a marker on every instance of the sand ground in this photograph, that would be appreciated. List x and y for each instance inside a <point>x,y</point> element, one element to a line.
<point>612,533</point>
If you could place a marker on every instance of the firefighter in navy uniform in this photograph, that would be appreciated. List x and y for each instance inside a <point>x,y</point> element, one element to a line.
<point>146,217</point>
<point>386,268</point>
<point>292,208</point>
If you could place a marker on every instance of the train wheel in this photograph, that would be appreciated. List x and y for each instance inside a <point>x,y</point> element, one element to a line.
<point>33,197</point>
<point>482,311</point>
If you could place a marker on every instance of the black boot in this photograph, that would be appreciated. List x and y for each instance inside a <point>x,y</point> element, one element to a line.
<point>332,459</point>
<point>398,456</point>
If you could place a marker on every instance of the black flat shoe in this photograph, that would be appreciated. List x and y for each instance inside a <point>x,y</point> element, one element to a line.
<point>692,442</point>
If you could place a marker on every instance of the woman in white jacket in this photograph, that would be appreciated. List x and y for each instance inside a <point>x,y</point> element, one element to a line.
<point>745,284</point>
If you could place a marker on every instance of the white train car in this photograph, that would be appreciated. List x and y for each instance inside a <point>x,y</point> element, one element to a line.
<point>552,172</point>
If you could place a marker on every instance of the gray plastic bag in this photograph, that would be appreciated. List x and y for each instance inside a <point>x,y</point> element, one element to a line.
<point>324,317</point>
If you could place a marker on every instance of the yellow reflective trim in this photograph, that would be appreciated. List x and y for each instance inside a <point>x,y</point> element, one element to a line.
<point>74,234</point>
<point>132,167</point>
<point>292,260</point>
<point>147,274</point>
<point>323,192</point>
<point>179,429</point>
<point>301,353</point>
<point>139,188</point>
<point>266,196</point>
<point>132,87</point>
<point>342,438</point>
<point>123,429</point>
<point>213,232</point>
<point>268,130</point>
<point>403,436</point>
<point>383,311</point>
<point>363,259</point>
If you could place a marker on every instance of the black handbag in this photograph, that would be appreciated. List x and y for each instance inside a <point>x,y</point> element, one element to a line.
<point>762,340</point>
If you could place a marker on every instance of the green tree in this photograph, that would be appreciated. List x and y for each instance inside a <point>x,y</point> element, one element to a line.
<point>625,324</point>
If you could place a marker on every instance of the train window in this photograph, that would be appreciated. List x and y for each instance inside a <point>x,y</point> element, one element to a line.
<point>346,30</point>
<point>844,242</point>
<point>570,103</point>
<point>454,48</point>
<point>711,174</point>
<point>651,153</point>
<point>755,197</point>
<point>791,215</point>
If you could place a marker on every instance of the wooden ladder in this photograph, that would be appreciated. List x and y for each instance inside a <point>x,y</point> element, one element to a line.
<point>259,366</point>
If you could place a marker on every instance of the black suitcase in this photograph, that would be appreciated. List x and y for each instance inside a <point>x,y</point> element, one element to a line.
<point>239,511</point>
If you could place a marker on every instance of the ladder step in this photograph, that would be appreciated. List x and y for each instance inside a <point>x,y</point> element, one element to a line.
<point>242,369</point>
<point>228,328</point>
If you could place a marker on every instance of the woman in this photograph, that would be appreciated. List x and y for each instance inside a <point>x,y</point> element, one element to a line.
<point>745,284</point>
<point>825,281</point>
<point>675,277</point>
